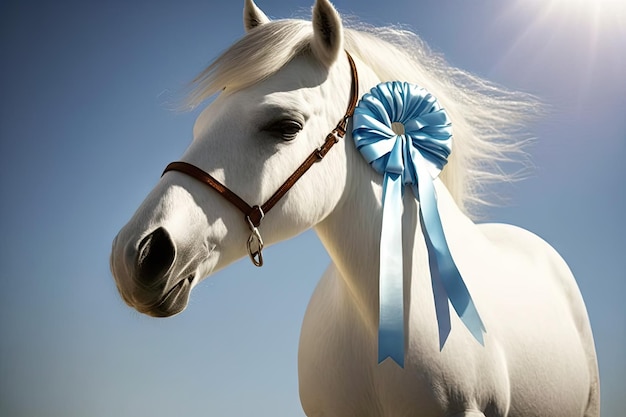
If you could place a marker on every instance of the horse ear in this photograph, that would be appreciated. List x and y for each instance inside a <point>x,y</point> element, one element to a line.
<point>253,16</point>
<point>327,32</point>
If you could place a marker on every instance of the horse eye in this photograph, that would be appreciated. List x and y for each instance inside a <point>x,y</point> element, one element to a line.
<point>285,129</point>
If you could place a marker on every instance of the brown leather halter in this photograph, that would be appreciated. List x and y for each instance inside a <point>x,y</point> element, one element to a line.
<point>254,214</point>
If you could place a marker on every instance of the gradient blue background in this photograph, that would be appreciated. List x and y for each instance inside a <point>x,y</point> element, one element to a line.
<point>87,90</point>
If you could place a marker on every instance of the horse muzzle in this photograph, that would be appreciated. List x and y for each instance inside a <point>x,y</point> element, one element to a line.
<point>147,275</point>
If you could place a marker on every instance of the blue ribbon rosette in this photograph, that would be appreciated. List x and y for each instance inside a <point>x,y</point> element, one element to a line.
<point>405,135</point>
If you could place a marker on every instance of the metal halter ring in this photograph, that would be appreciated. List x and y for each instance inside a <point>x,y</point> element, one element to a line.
<point>255,244</point>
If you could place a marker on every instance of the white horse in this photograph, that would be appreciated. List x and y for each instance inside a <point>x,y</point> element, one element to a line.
<point>282,88</point>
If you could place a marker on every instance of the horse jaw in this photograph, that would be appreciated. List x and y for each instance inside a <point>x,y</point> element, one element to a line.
<point>253,16</point>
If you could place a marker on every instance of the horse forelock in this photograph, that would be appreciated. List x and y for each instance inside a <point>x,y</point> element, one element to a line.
<point>258,55</point>
<point>488,120</point>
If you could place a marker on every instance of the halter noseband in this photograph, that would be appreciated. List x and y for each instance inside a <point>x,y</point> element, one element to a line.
<point>254,214</point>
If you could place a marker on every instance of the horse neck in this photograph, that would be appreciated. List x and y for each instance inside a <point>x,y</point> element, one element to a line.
<point>351,235</point>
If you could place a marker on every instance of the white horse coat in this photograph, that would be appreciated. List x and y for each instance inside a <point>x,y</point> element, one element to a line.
<point>538,358</point>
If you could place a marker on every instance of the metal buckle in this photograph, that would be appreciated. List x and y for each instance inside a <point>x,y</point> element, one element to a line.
<point>323,150</point>
<point>338,133</point>
<point>255,244</point>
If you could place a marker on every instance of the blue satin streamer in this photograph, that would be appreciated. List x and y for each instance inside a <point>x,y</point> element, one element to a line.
<point>416,156</point>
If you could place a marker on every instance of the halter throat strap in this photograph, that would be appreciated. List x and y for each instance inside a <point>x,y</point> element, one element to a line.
<point>254,214</point>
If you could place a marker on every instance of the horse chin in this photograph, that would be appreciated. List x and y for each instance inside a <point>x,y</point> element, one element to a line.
<point>174,301</point>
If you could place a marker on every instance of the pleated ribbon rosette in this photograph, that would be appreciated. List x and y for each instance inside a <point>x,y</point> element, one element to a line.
<point>405,135</point>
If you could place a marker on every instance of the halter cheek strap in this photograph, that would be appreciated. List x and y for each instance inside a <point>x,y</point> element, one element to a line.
<point>254,214</point>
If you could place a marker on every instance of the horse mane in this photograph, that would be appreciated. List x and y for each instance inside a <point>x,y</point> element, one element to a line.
<point>487,119</point>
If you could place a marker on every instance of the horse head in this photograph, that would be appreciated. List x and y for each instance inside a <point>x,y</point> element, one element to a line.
<point>276,102</point>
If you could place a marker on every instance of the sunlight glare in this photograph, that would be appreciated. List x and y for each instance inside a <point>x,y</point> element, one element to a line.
<point>579,43</point>
<point>602,14</point>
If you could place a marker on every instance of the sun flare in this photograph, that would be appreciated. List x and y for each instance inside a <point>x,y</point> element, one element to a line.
<point>579,43</point>
<point>603,14</point>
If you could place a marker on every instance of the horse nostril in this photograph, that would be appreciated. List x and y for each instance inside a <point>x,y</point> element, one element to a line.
<point>155,255</point>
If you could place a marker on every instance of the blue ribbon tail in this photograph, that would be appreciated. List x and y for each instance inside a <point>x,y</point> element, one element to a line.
<point>442,305</point>
<point>448,272</point>
<point>391,318</point>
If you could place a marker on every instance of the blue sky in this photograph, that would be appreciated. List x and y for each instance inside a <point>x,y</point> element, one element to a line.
<point>87,90</point>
